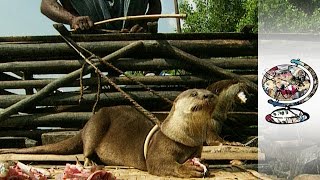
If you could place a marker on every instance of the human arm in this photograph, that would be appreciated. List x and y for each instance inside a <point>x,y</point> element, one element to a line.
<point>53,10</point>
<point>154,7</point>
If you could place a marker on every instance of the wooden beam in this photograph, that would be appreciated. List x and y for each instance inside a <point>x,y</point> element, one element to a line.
<point>106,99</point>
<point>226,155</point>
<point>126,64</point>
<point>231,156</point>
<point>199,48</point>
<point>41,157</point>
<point>127,37</point>
<point>147,80</point>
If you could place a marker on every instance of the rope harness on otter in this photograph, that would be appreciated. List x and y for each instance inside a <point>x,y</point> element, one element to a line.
<point>147,140</point>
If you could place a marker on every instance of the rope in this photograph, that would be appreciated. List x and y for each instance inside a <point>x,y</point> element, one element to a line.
<point>130,78</point>
<point>98,95</point>
<point>136,105</point>
<point>81,83</point>
<point>137,82</point>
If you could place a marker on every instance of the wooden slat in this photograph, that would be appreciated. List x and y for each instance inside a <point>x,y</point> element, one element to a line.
<point>231,156</point>
<point>229,153</point>
<point>40,157</point>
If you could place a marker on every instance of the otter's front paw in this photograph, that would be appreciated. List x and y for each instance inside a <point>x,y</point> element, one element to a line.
<point>193,168</point>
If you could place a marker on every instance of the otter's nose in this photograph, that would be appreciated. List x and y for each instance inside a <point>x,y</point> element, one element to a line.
<point>208,96</point>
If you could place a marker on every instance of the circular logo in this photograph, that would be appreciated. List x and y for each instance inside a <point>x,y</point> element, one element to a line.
<point>289,85</point>
<point>286,82</point>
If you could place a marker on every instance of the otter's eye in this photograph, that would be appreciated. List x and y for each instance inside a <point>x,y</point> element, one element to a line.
<point>194,94</point>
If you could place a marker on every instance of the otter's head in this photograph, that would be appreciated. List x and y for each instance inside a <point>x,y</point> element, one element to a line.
<point>189,117</point>
<point>234,95</point>
<point>195,100</point>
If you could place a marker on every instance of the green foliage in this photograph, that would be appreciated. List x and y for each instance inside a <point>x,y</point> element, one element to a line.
<point>218,15</point>
<point>250,16</point>
<point>232,15</point>
<point>279,16</point>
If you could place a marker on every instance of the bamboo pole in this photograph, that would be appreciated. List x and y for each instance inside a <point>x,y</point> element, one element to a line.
<point>128,37</point>
<point>111,98</point>
<point>190,81</point>
<point>199,48</point>
<point>126,64</point>
<point>140,17</point>
<point>29,101</point>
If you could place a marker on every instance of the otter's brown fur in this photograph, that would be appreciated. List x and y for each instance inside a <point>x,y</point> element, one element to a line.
<point>116,135</point>
<point>231,95</point>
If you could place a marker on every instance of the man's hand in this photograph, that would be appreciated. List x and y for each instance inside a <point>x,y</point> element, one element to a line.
<point>81,22</point>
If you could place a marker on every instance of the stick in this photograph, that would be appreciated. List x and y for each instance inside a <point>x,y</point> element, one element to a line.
<point>29,101</point>
<point>153,16</point>
<point>176,9</point>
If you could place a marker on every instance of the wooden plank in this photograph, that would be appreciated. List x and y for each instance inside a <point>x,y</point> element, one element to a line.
<point>40,157</point>
<point>230,149</point>
<point>239,155</point>
<point>232,155</point>
<point>52,157</point>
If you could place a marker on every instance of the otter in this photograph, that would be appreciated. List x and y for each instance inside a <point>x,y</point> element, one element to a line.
<point>116,136</point>
<point>231,95</point>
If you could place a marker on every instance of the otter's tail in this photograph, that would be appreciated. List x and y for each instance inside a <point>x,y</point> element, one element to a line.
<point>72,145</point>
